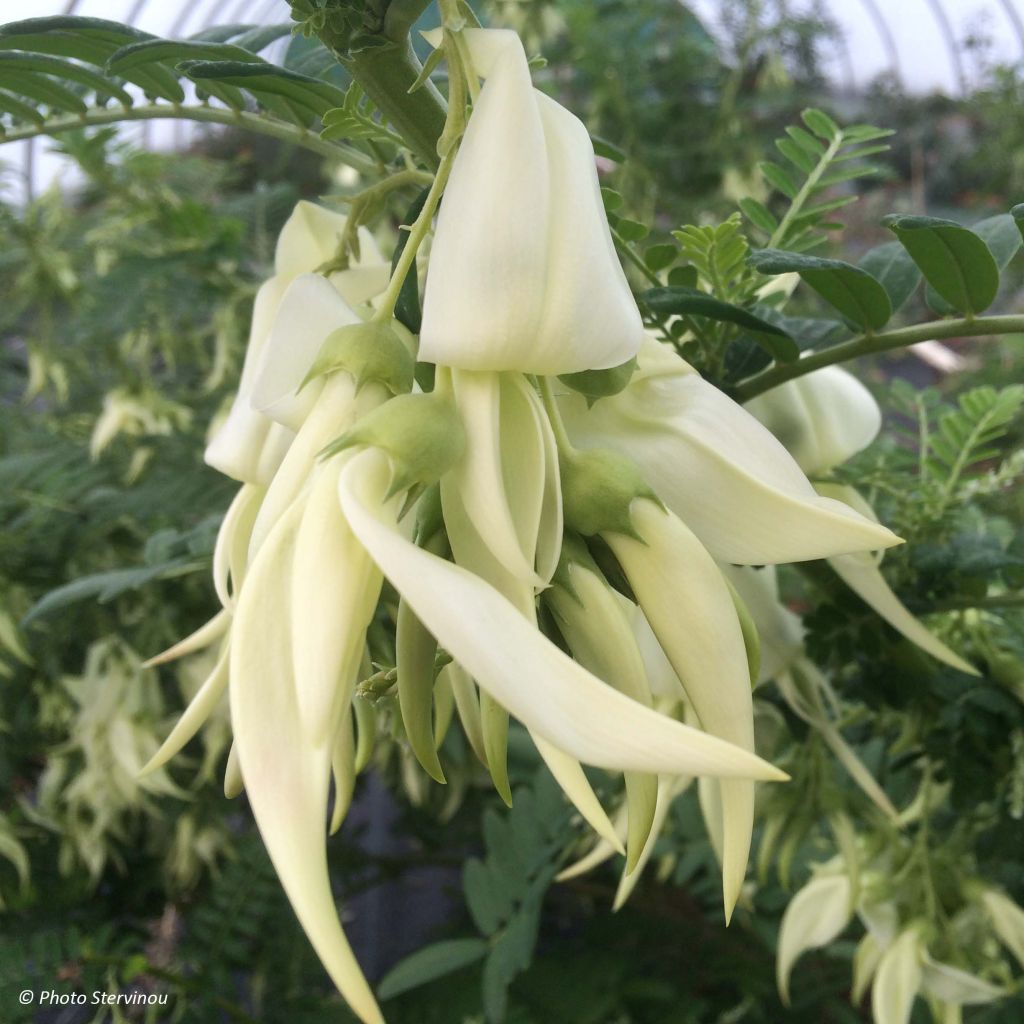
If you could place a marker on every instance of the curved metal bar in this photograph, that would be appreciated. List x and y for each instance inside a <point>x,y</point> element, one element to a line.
<point>1015,19</point>
<point>948,35</point>
<point>888,40</point>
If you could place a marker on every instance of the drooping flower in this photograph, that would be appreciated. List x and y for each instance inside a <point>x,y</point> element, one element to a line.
<point>523,273</point>
<point>248,445</point>
<point>727,477</point>
<point>824,419</point>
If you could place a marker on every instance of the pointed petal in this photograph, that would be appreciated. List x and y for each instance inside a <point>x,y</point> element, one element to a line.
<point>861,574</point>
<point>199,709</point>
<point>230,553</point>
<point>479,478</point>
<point>286,776</point>
<point>544,688</point>
<point>205,635</point>
<point>669,787</point>
<point>415,650</point>
<point>343,771</point>
<point>815,916</point>
<point>951,984</point>
<point>335,587</point>
<point>897,980</point>
<point>780,630</point>
<point>467,703</point>
<point>718,469</point>
<point>691,611</point>
<point>233,782</point>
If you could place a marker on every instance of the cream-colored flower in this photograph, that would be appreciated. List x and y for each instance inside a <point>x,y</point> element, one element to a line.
<point>523,273</point>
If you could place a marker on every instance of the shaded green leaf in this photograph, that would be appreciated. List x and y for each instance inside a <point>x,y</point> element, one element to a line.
<point>431,962</point>
<point>849,289</point>
<point>956,262</point>
<point>677,301</point>
<point>759,215</point>
<point>891,264</point>
<point>820,123</point>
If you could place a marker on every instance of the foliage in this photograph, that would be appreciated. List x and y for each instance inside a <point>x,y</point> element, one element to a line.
<point>123,320</point>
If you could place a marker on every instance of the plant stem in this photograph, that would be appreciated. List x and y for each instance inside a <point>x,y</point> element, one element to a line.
<point>259,123</point>
<point>870,344</point>
<point>418,231</point>
<point>547,397</point>
<point>805,191</point>
<point>387,73</point>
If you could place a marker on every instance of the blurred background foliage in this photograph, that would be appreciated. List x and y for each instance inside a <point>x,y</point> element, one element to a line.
<point>123,316</point>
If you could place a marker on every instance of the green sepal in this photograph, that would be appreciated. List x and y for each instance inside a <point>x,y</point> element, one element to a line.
<point>574,552</point>
<point>422,434</point>
<point>595,384</point>
<point>751,638</point>
<point>371,352</point>
<point>415,651</point>
<point>598,489</point>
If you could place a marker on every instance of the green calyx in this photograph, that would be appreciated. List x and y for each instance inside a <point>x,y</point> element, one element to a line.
<point>595,384</point>
<point>371,352</point>
<point>598,490</point>
<point>422,435</point>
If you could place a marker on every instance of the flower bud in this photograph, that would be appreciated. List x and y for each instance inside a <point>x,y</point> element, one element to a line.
<point>822,419</point>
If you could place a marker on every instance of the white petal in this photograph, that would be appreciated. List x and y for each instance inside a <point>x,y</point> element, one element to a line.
<point>309,237</point>
<point>486,279</point>
<point>718,469</point>
<point>1007,919</point>
<point>522,669</point>
<point>691,611</point>
<point>865,963</point>
<point>335,587</point>
<point>198,711</point>
<point>205,635</point>
<point>669,787</point>
<point>286,776</point>
<point>523,274</point>
<point>897,980</point>
<point>822,419</point>
<point>861,574</point>
<point>950,984</point>
<point>230,551</point>
<point>780,631</point>
<point>479,478</point>
<point>309,311</point>
<point>816,916</point>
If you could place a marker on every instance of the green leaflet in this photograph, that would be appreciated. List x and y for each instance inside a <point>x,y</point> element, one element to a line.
<point>849,289</point>
<point>955,261</point>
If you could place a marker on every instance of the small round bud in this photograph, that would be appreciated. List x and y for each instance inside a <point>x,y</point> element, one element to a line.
<point>422,434</point>
<point>598,488</point>
<point>371,352</point>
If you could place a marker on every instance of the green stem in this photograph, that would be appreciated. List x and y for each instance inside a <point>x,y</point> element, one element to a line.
<point>387,73</point>
<point>871,344</point>
<point>805,191</point>
<point>960,604</point>
<point>418,231</point>
<point>547,397</point>
<point>258,123</point>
